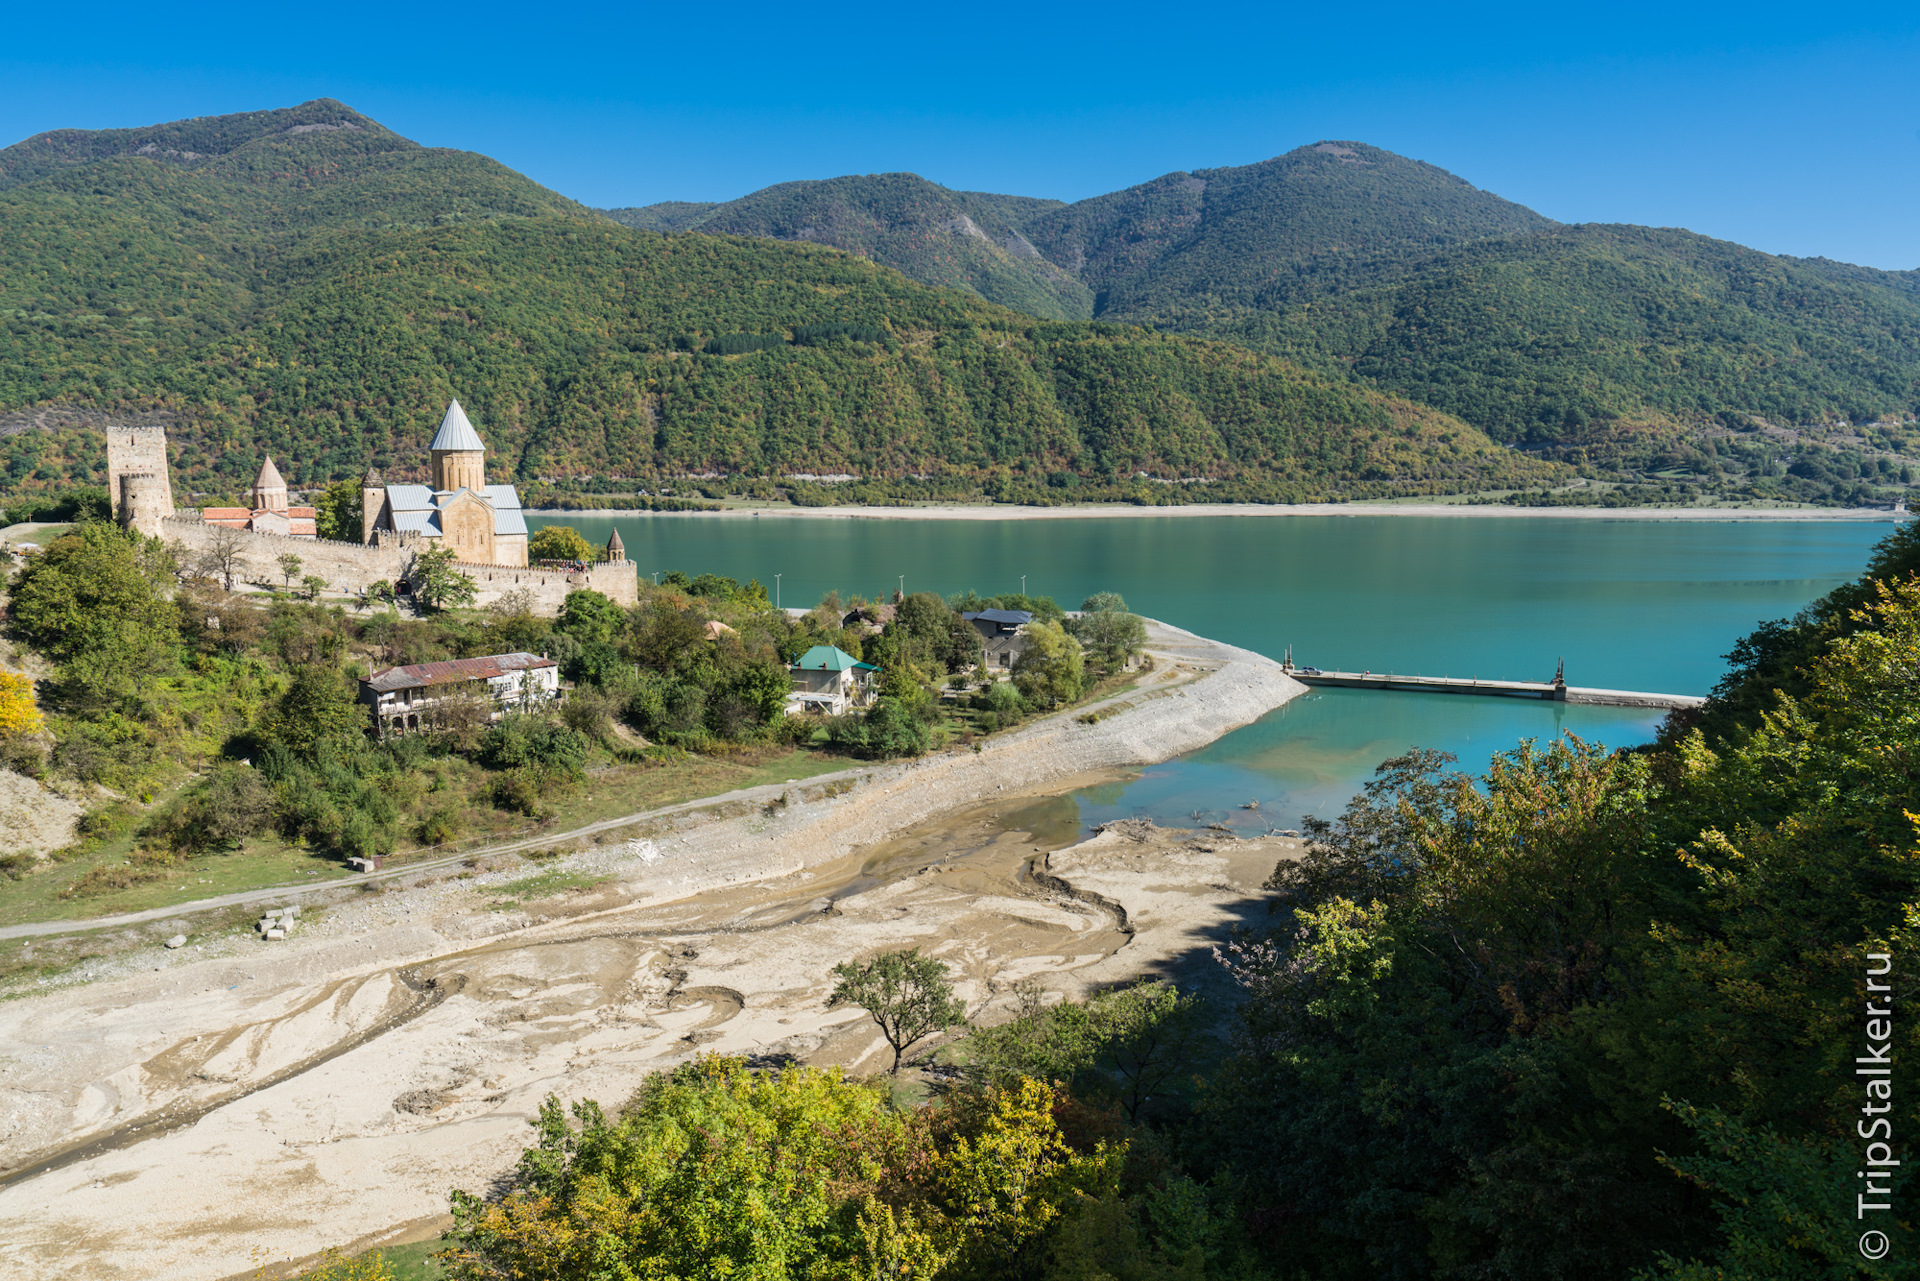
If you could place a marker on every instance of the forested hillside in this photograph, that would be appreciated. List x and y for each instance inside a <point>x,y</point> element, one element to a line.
<point>1395,273</point>
<point>1267,234</point>
<point>936,236</point>
<point>1545,337</point>
<point>323,293</point>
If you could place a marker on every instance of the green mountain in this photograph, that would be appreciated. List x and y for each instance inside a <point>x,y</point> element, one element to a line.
<point>1265,234</point>
<point>1374,267</point>
<point>1566,335</point>
<point>938,237</point>
<point>322,293</point>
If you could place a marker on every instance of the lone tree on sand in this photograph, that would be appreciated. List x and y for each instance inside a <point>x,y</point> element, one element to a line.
<point>905,993</point>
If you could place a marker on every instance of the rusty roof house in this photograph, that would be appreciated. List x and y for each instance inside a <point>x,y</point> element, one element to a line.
<point>404,700</point>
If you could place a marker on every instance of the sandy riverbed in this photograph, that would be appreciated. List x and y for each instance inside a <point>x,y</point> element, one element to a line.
<point>337,1085</point>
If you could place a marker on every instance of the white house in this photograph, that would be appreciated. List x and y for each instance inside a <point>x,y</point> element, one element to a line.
<point>828,679</point>
<point>403,699</point>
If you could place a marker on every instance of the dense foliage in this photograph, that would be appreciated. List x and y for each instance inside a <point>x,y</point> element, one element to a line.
<point>1552,336</point>
<point>716,1170</point>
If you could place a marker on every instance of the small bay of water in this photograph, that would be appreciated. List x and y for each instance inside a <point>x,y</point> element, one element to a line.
<point>1647,605</point>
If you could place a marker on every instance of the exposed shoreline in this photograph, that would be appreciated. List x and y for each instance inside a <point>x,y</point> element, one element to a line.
<point>1127,511</point>
<point>719,934</point>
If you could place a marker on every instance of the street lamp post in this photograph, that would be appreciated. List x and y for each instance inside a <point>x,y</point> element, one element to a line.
<point>1023,584</point>
<point>776,591</point>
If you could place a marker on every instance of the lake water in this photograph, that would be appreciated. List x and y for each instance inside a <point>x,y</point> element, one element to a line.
<point>1647,605</point>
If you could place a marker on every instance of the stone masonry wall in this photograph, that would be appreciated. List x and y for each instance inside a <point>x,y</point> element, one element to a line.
<point>353,567</point>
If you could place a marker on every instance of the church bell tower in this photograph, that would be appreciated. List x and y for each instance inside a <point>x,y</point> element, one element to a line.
<point>459,456</point>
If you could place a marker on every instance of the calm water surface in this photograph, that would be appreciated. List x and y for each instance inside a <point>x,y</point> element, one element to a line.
<point>1650,605</point>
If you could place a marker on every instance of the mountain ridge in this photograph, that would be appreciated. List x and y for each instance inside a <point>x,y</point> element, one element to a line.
<point>934,234</point>
<point>1349,259</point>
<point>321,294</point>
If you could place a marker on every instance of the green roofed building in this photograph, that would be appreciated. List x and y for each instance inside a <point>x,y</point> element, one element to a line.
<point>830,681</point>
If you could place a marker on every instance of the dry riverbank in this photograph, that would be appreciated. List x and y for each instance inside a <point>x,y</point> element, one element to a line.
<point>1007,511</point>
<point>320,1091</point>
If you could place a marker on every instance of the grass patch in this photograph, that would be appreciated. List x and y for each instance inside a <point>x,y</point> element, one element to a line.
<point>411,1262</point>
<point>632,789</point>
<point>38,896</point>
<point>543,885</point>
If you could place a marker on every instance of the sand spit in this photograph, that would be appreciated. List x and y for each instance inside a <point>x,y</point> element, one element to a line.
<point>318,1092</point>
<point>1127,511</point>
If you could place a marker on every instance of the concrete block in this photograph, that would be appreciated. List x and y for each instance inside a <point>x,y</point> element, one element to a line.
<point>276,934</point>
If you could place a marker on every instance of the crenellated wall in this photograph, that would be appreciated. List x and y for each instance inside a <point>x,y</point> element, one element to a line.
<point>353,567</point>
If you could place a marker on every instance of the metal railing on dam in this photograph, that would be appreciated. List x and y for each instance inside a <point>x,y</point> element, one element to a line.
<point>1557,691</point>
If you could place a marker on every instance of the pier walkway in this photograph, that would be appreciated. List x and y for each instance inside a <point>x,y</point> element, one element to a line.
<point>1557,691</point>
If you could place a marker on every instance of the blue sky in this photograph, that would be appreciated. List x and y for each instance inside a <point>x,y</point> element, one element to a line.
<point>1795,130</point>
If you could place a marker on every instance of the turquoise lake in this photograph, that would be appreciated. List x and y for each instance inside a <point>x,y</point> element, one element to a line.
<point>1647,605</point>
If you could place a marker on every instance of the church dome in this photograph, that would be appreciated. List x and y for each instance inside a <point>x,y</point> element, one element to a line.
<point>456,434</point>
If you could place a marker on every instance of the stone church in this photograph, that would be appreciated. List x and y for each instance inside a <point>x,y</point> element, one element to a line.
<point>480,523</point>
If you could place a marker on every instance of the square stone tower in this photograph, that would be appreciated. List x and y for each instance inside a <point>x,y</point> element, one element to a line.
<point>138,484</point>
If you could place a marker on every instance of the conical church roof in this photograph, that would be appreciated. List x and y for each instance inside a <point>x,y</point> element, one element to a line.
<point>614,544</point>
<point>269,477</point>
<point>456,433</point>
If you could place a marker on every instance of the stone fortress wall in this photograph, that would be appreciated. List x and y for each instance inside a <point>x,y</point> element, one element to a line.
<point>142,494</point>
<point>353,567</point>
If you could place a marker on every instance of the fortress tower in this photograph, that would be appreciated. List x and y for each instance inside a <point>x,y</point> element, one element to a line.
<point>137,481</point>
<point>373,496</point>
<point>459,456</point>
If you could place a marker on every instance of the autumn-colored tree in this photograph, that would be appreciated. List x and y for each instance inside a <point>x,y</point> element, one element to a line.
<point>716,1170</point>
<point>18,714</point>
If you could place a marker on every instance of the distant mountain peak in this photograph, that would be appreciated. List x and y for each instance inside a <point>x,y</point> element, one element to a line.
<point>194,142</point>
<point>1341,152</point>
